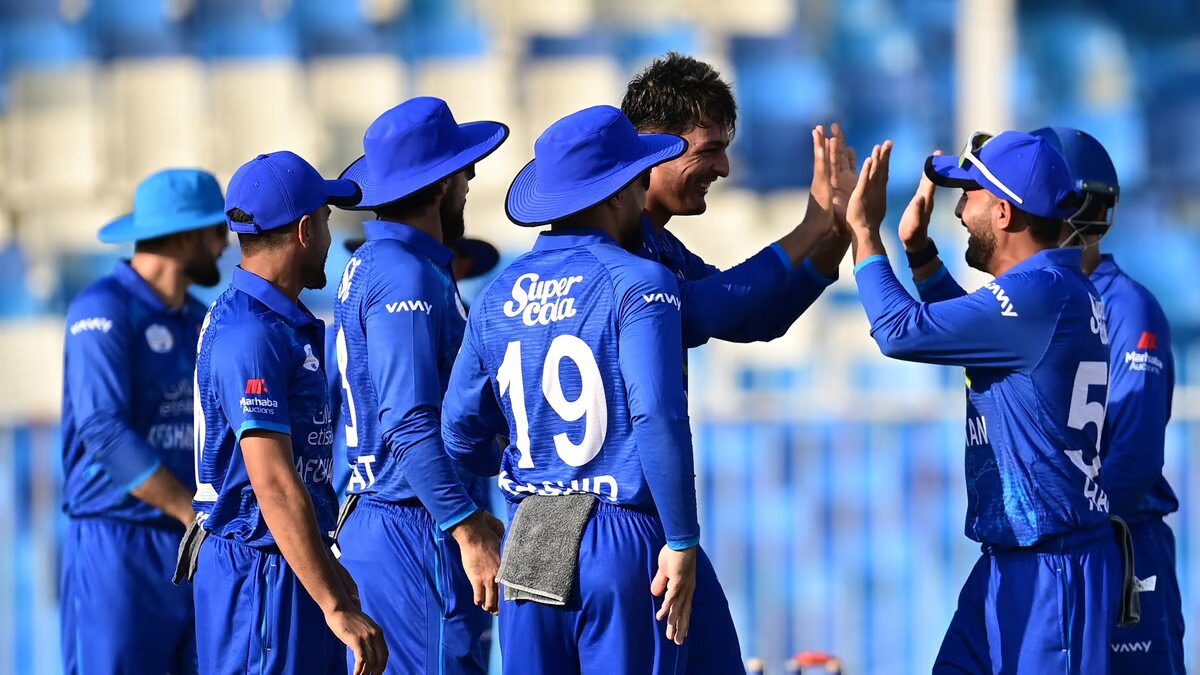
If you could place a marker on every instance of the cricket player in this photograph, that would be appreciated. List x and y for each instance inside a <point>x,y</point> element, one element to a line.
<point>1044,595</point>
<point>1142,379</point>
<point>269,596</point>
<point>573,353</point>
<point>127,432</point>
<point>757,300</point>
<point>423,551</point>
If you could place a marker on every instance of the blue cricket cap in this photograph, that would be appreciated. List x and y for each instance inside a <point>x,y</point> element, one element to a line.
<point>279,188</point>
<point>1089,163</point>
<point>167,202</point>
<point>1020,168</point>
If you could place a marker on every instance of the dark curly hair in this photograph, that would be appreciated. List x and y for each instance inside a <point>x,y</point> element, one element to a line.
<point>677,93</point>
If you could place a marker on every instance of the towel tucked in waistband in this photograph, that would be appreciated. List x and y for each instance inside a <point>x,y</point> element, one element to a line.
<point>541,552</point>
<point>1131,604</point>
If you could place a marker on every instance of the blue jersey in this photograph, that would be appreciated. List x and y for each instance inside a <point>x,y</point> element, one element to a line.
<point>572,353</point>
<point>1035,348</point>
<point>127,395</point>
<point>755,301</point>
<point>399,324</point>
<point>1139,397</point>
<point>259,367</point>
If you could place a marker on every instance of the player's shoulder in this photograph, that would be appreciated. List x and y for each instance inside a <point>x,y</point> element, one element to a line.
<point>1128,294</point>
<point>626,267</point>
<point>102,307</point>
<point>237,317</point>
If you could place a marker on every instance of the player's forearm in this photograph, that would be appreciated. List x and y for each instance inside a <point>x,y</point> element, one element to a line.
<point>417,445</point>
<point>123,454</point>
<point>288,511</point>
<point>802,241</point>
<point>721,304</point>
<point>828,254</point>
<point>665,450</point>
<point>867,244</point>
<point>165,492</point>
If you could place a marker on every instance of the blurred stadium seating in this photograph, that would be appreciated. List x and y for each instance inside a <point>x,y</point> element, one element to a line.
<point>831,478</point>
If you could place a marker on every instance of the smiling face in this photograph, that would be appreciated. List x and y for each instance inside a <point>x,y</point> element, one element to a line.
<point>680,187</point>
<point>976,210</point>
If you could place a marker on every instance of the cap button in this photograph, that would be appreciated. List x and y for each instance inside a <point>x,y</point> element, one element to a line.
<point>261,157</point>
<point>255,183</point>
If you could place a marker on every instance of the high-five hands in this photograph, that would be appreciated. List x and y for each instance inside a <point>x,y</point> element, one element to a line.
<point>914,224</point>
<point>868,203</point>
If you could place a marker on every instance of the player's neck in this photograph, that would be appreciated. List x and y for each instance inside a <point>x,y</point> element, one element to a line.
<point>428,221</point>
<point>1091,258</point>
<point>164,275</point>
<point>657,212</point>
<point>1016,253</point>
<point>278,268</point>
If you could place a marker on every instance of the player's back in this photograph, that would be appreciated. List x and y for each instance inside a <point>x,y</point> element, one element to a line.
<point>547,331</point>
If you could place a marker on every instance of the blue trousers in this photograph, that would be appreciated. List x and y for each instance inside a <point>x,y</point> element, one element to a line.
<point>120,611</point>
<point>608,625</point>
<point>1155,644</point>
<point>1051,609</point>
<point>411,582</point>
<point>253,616</point>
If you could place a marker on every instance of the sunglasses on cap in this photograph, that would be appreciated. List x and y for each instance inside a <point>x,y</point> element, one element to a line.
<point>970,156</point>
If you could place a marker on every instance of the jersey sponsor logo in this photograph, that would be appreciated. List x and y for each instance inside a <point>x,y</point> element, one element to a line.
<point>324,434</point>
<point>409,306</point>
<point>977,431</point>
<point>1143,362</point>
<point>314,470</point>
<point>1131,647</point>
<point>258,404</point>
<point>159,338</point>
<point>662,297</point>
<point>95,323</point>
<point>171,436</point>
<point>362,475</point>
<point>1099,324</point>
<point>1006,304</point>
<point>541,302</point>
<point>343,291</point>
<point>257,386</point>
<point>177,400</point>
<point>310,360</point>
<point>604,486</point>
<point>1148,342</point>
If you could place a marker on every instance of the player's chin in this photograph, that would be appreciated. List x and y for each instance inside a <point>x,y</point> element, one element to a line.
<point>694,205</point>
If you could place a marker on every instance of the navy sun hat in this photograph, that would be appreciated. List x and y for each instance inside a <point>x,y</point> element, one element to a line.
<point>1020,168</point>
<point>279,188</point>
<point>415,145</point>
<point>581,160</point>
<point>167,202</point>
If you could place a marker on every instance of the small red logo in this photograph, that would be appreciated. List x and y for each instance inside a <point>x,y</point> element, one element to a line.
<point>1148,342</point>
<point>256,386</point>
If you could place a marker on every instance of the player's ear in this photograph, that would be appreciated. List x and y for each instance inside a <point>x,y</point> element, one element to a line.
<point>304,230</point>
<point>1005,216</point>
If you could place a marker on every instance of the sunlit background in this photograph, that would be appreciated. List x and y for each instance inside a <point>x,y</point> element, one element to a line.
<point>831,479</point>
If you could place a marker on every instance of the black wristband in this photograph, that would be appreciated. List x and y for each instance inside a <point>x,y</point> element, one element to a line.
<point>923,257</point>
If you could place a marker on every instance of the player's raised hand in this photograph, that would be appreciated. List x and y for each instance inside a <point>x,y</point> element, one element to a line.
<point>820,212</point>
<point>676,578</point>
<point>478,539</point>
<point>868,202</point>
<point>363,636</point>
<point>914,224</point>
<point>843,164</point>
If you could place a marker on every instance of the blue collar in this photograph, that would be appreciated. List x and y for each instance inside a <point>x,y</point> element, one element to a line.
<point>296,314</point>
<point>550,240</point>
<point>134,283</point>
<point>424,244</point>
<point>1051,257</point>
<point>1107,267</point>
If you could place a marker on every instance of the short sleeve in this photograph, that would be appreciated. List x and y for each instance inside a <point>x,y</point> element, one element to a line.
<point>250,369</point>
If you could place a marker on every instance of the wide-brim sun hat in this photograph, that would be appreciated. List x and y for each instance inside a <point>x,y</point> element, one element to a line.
<point>582,160</point>
<point>415,145</point>
<point>169,202</point>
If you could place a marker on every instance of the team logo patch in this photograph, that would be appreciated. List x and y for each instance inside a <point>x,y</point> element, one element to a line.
<point>159,338</point>
<point>257,386</point>
<point>310,360</point>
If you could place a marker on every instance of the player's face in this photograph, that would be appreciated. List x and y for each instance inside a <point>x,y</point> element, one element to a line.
<point>201,266</point>
<point>681,185</point>
<point>317,250</point>
<point>454,205</point>
<point>976,209</point>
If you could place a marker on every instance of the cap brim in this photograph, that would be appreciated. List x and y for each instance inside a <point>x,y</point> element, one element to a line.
<point>527,205</point>
<point>484,257</point>
<point>127,229</point>
<point>944,170</point>
<point>342,193</point>
<point>482,139</point>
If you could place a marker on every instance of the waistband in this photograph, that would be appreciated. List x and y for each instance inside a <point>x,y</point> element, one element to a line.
<point>164,524</point>
<point>605,509</point>
<point>218,540</point>
<point>407,509</point>
<point>1062,543</point>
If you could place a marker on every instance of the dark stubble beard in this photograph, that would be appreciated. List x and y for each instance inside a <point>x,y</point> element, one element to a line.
<point>454,224</point>
<point>981,248</point>
<point>203,270</point>
<point>314,275</point>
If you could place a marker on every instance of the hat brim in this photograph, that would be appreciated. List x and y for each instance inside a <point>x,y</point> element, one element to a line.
<point>944,170</point>
<point>484,257</point>
<point>482,140</point>
<point>128,229</point>
<point>342,193</point>
<point>528,206</point>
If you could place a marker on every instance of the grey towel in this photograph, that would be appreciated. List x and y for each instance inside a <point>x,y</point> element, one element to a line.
<point>541,552</point>
<point>348,507</point>
<point>1130,612</point>
<point>189,552</point>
